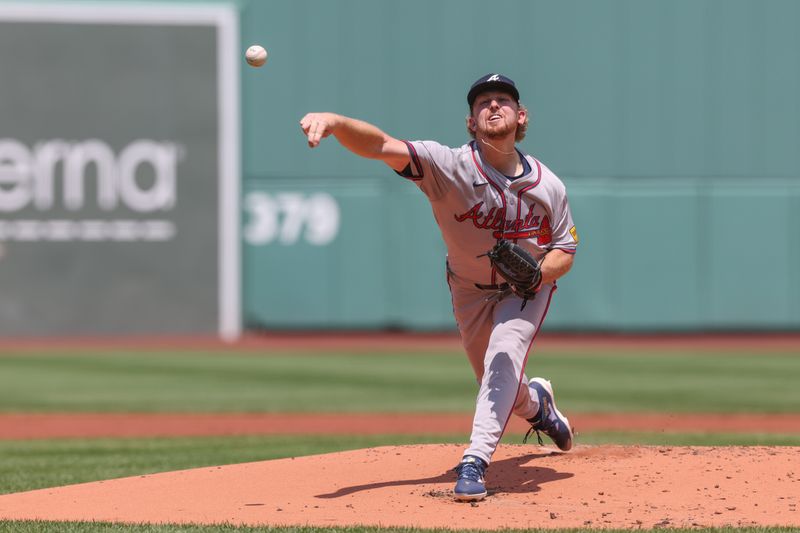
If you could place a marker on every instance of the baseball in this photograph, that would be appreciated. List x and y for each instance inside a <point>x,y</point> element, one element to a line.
<point>256,56</point>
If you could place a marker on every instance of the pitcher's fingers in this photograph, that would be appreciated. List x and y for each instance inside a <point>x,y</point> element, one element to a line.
<point>316,133</point>
<point>313,140</point>
<point>305,124</point>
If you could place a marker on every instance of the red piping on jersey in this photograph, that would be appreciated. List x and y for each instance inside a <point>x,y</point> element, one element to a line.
<point>519,198</point>
<point>485,175</point>
<point>538,171</point>
<point>526,189</point>
<point>519,203</point>
<point>565,250</point>
<point>499,191</point>
<point>525,361</point>
<point>414,157</point>
<point>413,164</point>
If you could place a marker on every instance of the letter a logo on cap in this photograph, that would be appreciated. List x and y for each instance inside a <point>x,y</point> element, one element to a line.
<point>491,82</point>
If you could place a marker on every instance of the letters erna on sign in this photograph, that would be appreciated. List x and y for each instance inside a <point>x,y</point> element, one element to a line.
<point>119,209</point>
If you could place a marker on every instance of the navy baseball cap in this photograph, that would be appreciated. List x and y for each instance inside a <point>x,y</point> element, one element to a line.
<point>492,82</point>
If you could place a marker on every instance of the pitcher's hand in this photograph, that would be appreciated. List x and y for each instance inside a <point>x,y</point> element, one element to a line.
<point>317,126</point>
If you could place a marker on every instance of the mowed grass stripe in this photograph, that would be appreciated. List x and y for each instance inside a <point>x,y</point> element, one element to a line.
<point>218,382</point>
<point>387,382</point>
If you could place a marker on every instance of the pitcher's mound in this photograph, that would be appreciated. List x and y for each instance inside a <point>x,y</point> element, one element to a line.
<point>592,486</point>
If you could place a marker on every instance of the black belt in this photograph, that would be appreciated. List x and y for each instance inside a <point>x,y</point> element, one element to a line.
<point>500,291</point>
<point>492,287</point>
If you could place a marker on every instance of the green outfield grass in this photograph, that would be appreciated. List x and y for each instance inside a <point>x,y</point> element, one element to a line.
<point>184,381</point>
<point>387,382</point>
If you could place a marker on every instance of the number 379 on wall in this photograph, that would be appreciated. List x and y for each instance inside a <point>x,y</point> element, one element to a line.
<point>290,217</point>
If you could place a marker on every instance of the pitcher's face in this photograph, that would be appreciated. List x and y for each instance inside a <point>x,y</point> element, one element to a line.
<point>496,115</point>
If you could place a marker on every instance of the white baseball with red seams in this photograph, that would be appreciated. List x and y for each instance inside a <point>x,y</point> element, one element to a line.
<point>256,56</point>
<point>474,206</point>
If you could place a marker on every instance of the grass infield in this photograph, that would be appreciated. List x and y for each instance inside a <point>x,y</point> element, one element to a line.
<point>126,381</point>
<point>391,382</point>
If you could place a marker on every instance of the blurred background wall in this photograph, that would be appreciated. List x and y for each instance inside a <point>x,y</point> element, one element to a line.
<point>119,169</point>
<point>675,125</point>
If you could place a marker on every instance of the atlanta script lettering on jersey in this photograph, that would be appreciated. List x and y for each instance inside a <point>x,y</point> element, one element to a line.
<point>529,227</point>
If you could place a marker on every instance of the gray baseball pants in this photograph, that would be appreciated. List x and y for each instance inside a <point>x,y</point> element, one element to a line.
<point>497,337</point>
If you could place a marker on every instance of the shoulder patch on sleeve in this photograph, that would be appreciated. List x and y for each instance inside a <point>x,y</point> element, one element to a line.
<point>574,233</point>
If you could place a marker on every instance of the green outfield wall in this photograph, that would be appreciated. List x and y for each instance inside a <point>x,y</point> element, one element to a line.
<point>674,123</point>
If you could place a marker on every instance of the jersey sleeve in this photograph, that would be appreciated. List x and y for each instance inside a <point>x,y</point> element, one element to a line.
<point>565,236</point>
<point>429,167</point>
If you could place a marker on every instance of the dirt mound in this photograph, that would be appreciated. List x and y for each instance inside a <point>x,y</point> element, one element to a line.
<point>592,486</point>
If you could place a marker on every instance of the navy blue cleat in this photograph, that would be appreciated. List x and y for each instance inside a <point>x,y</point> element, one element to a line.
<point>470,485</point>
<point>549,420</point>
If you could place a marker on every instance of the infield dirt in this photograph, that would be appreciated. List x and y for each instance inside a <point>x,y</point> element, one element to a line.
<point>592,486</point>
<point>93,425</point>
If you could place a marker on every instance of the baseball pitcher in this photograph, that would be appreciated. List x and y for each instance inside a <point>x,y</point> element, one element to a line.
<point>509,234</point>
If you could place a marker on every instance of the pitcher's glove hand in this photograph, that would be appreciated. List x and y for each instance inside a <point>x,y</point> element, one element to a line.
<point>518,267</point>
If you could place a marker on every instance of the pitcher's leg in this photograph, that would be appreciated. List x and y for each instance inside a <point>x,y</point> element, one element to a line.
<point>474,318</point>
<point>503,387</point>
<point>527,404</point>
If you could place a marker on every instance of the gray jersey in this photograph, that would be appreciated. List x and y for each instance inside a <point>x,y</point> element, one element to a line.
<point>475,205</point>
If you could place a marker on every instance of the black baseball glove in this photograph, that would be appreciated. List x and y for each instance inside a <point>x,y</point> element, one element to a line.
<point>518,267</point>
